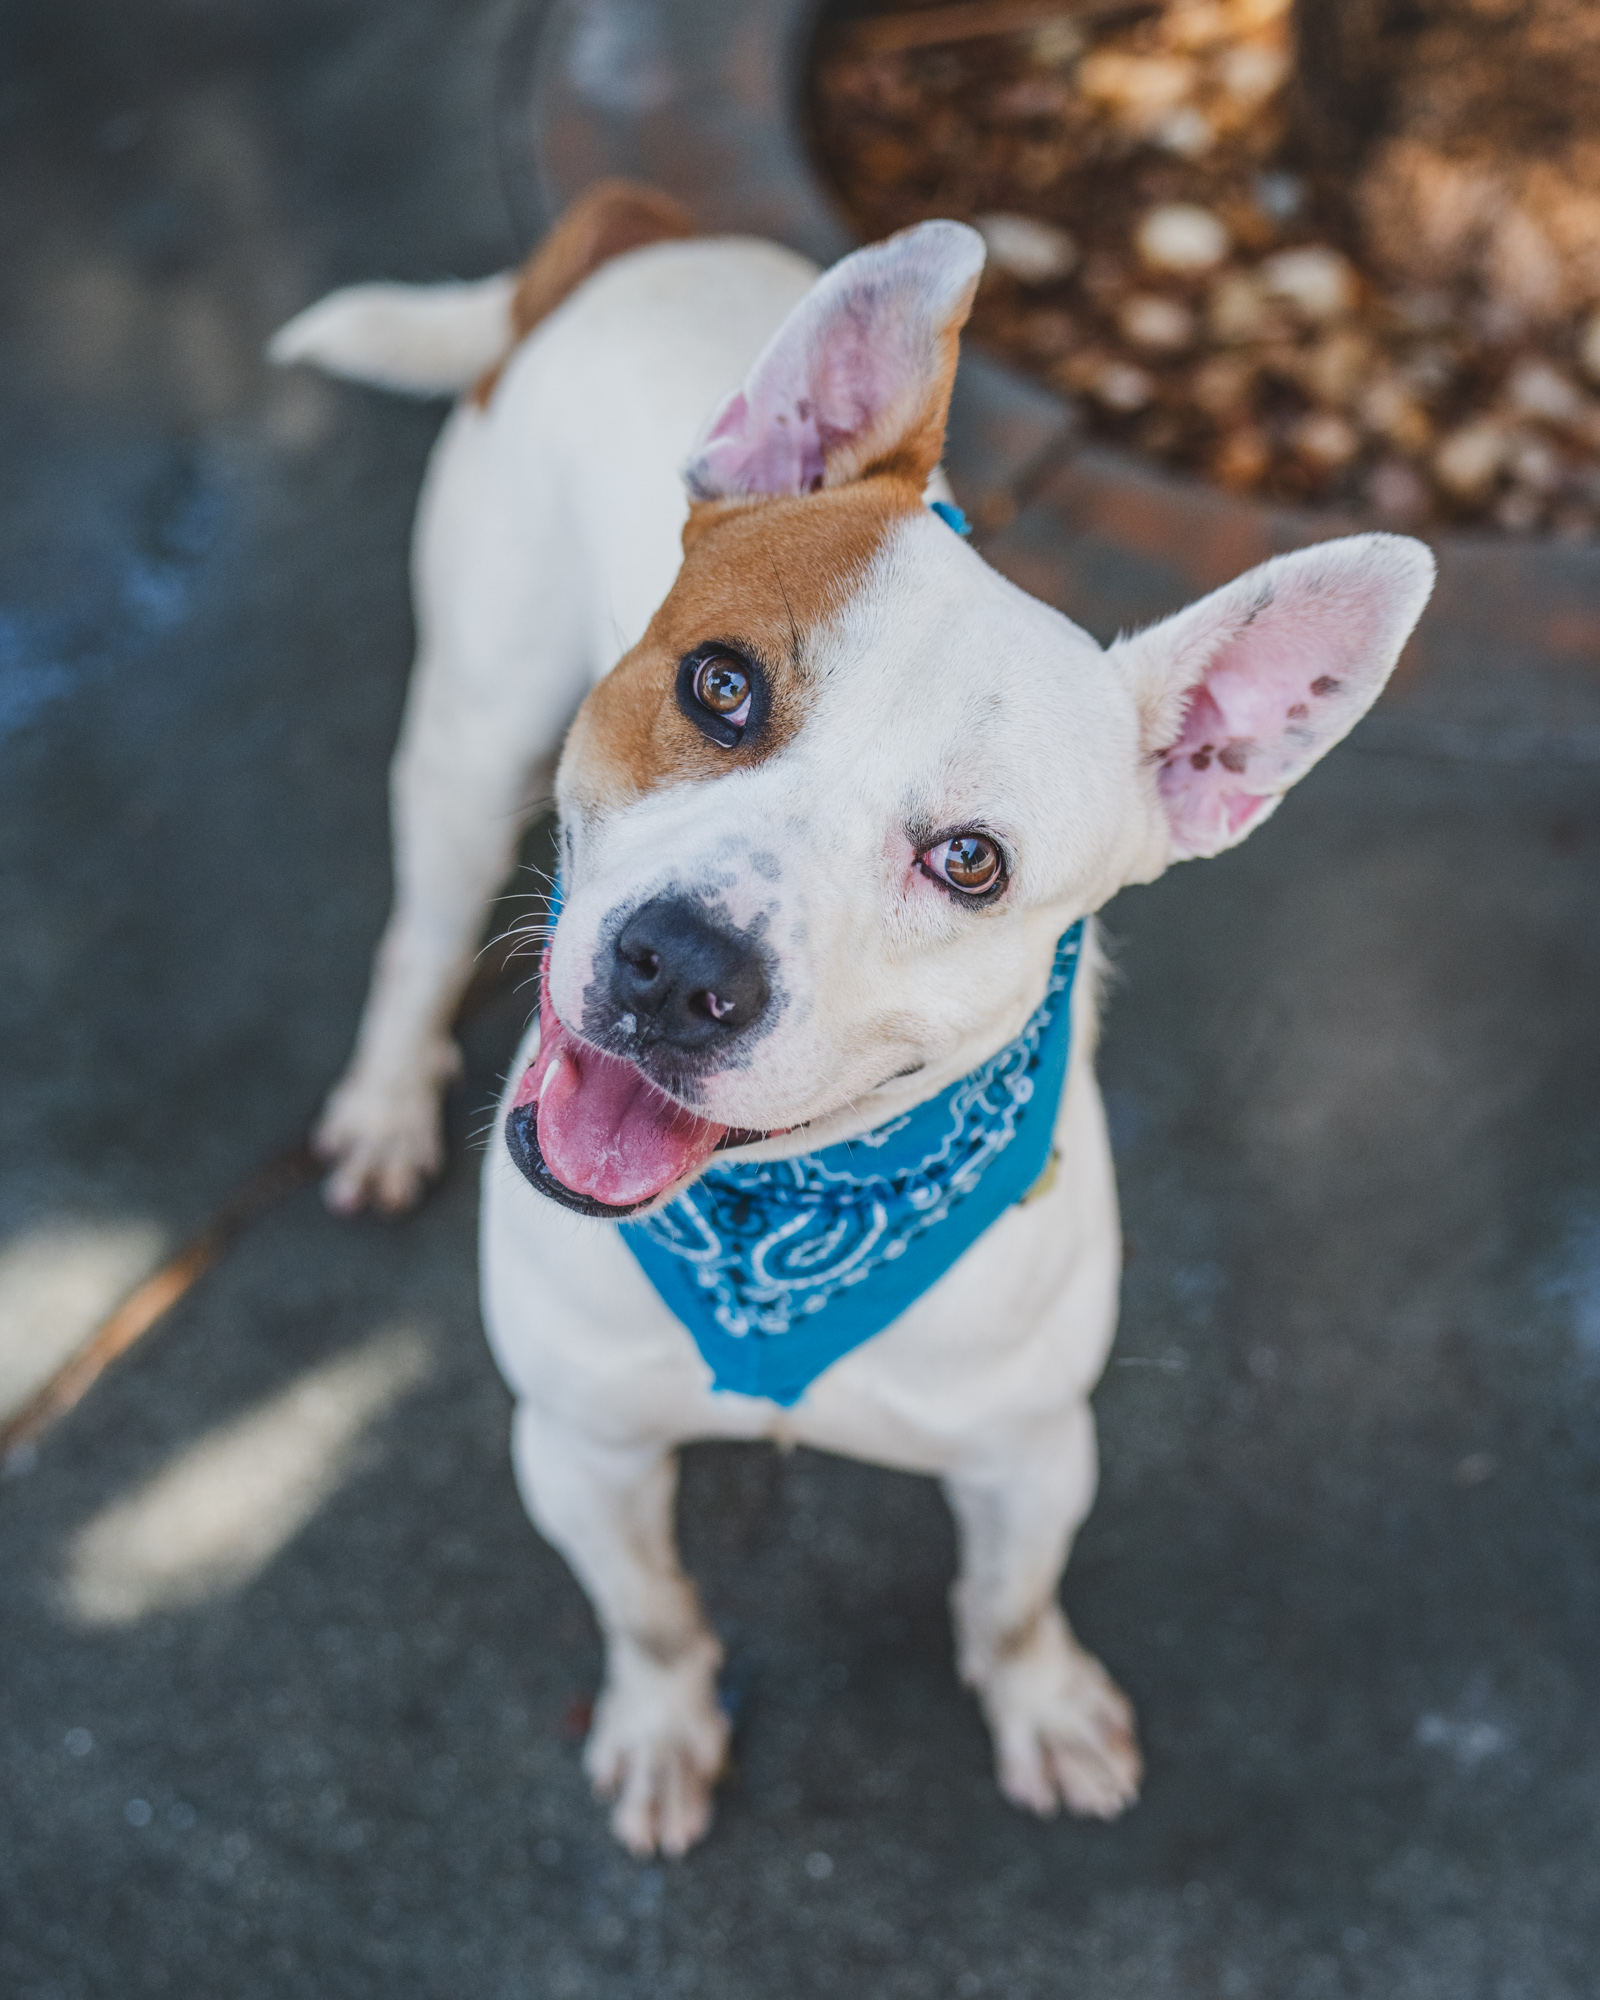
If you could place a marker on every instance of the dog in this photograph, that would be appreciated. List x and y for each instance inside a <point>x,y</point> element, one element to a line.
<point>804,1142</point>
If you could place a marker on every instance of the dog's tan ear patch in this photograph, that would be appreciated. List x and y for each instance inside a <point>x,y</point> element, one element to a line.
<point>760,578</point>
<point>705,515</point>
<point>606,221</point>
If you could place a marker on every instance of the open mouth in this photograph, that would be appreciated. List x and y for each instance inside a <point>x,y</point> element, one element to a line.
<point>591,1131</point>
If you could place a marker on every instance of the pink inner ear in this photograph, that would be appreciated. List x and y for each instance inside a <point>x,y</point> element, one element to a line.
<point>854,364</point>
<point>1271,671</point>
<point>1264,711</point>
<point>774,435</point>
<point>1207,801</point>
<point>780,454</point>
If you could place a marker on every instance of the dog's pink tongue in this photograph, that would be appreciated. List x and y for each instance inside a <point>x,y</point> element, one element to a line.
<point>604,1130</point>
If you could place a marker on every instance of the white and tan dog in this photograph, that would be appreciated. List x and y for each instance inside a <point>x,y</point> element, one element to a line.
<point>833,792</point>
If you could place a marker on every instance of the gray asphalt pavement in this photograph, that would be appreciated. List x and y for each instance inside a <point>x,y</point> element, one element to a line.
<point>292,1694</point>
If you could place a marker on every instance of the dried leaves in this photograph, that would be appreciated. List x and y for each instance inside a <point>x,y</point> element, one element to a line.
<point>1152,255</point>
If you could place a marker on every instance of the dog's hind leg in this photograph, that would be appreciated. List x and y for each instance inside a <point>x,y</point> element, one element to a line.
<point>1063,1732</point>
<point>659,1739</point>
<point>502,664</point>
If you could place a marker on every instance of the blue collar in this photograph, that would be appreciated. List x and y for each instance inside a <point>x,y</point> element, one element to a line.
<point>779,1267</point>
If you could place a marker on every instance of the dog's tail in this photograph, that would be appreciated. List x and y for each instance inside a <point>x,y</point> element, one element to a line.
<point>424,340</point>
<point>436,340</point>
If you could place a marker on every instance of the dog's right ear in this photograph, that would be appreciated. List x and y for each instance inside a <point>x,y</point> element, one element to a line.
<point>856,380</point>
<point>1240,694</point>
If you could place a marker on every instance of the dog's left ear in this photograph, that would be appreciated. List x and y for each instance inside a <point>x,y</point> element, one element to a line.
<point>856,380</point>
<point>1240,694</point>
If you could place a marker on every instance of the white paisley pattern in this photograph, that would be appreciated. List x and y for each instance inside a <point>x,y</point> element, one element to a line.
<point>774,1241</point>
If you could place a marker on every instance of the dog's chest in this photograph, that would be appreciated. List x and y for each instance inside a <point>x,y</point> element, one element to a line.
<point>1011,1335</point>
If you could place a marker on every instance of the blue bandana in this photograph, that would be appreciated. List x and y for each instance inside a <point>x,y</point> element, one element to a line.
<point>779,1267</point>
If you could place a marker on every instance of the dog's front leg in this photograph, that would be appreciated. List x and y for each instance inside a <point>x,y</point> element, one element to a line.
<point>458,788</point>
<point>659,1739</point>
<point>1063,1731</point>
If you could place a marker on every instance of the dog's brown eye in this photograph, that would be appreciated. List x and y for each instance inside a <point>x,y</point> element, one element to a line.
<point>969,862</point>
<point>722,692</point>
<point>722,685</point>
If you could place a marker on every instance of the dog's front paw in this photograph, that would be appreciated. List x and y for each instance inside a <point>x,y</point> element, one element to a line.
<point>1064,1732</point>
<point>658,1745</point>
<point>383,1137</point>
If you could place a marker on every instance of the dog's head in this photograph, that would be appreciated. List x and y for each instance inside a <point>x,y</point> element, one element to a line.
<point>823,825</point>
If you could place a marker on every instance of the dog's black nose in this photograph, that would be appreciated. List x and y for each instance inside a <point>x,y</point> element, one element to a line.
<point>685,981</point>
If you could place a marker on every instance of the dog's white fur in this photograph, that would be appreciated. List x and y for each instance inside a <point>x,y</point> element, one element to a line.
<point>548,533</point>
